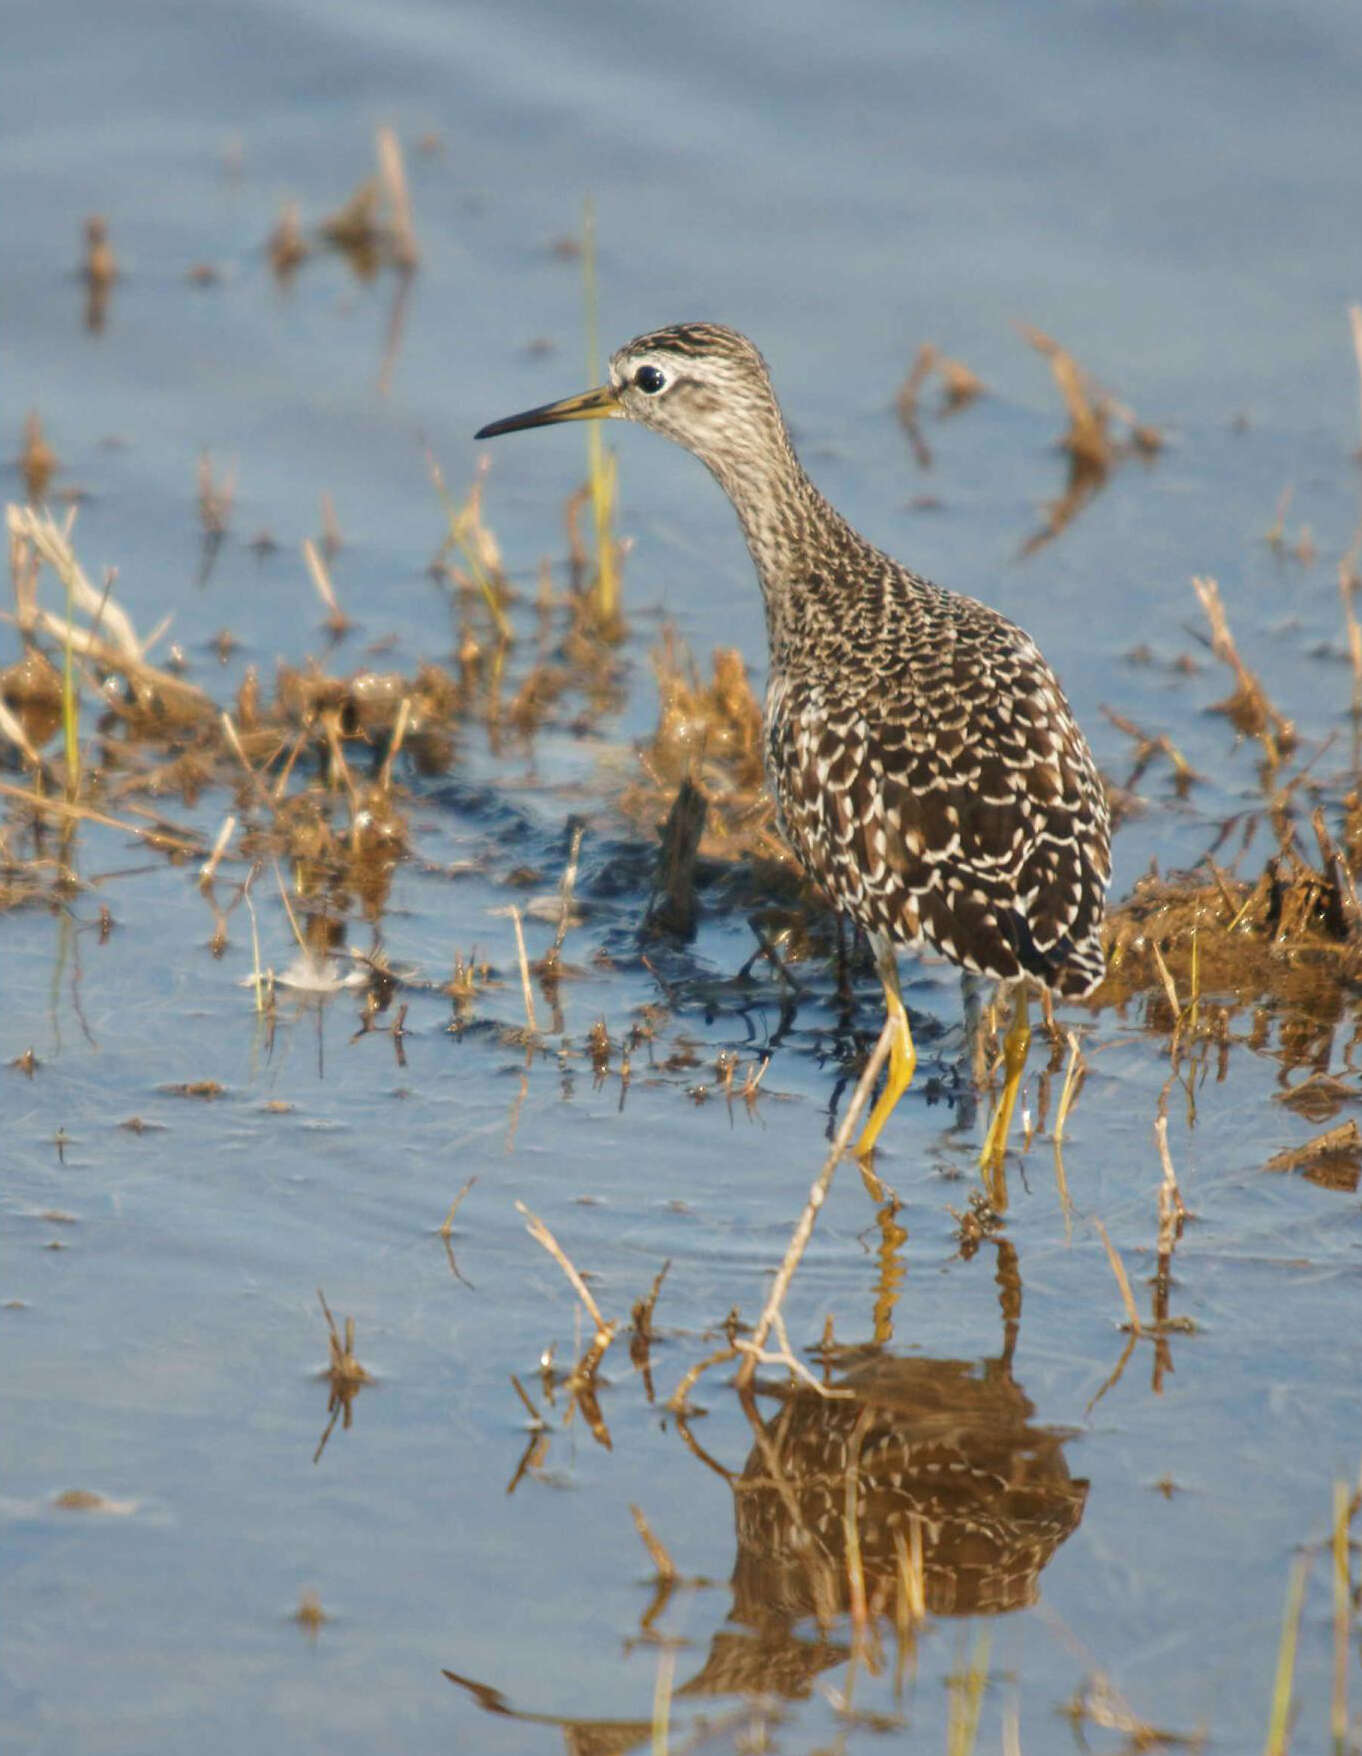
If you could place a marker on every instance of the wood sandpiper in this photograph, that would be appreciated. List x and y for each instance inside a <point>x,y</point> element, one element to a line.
<point>924,763</point>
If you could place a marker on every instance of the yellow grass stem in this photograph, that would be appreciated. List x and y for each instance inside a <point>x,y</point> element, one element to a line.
<point>1196,982</point>
<point>1122,1280</point>
<point>257,973</point>
<point>464,527</point>
<point>662,1701</point>
<point>70,700</point>
<point>1342,1583</point>
<point>1279,1721</point>
<point>967,1700</point>
<point>600,465</point>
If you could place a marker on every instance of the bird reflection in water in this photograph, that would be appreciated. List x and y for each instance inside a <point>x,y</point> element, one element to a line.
<point>960,1501</point>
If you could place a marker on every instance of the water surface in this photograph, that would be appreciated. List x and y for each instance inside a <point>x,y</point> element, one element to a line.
<point>1166,191</point>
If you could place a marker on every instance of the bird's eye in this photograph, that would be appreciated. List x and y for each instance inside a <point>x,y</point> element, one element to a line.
<point>650,379</point>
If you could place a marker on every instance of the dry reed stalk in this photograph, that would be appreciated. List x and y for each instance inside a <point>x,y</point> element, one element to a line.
<point>905,403</point>
<point>1148,745</point>
<point>641,1334</point>
<point>784,1355</point>
<point>399,734</point>
<point>566,886</point>
<point>448,1226</point>
<point>531,1021</point>
<point>1086,441</point>
<point>1101,1703</point>
<point>1334,867</point>
<point>209,869</point>
<point>662,1701</point>
<point>238,750</point>
<point>657,1553</point>
<point>192,701</point>
<point>296,748</point>
<point>1073,1078</point>
<point>1279,1718</point>
<point>1088,444</point>
<point>1171,1209</point>
<point>300,938</point>
<point>1075,1072</point>
<point>110,641</point>
<point>393,178</point>
<point>537,1420</point>
<point>905,400</point>
<point>959,387</point>
<point>344,1366</point>
<point>642,1314</point>
<point>817,1195</point>
<point>678,1401</point>
<point>258,975</point>
<point>50,542</point>
<point>543,1236</point>
<point>320,574</point>
<point>338,773</point>
<point>11,727</point>
<point>38,462</point>
<point>1012,1744</point>
<point>347,1377</point>
<point>160,836</point>
<point>474,541</point>
<point>24,567</point>
<point>1122,1281</point>
<point>1343,1141</point>
<point>1340,1570</point>
<point>1248,708</point>
<point>751,1085</point>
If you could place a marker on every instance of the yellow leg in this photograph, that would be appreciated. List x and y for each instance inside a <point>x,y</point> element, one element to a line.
<point>902,1055</point>
<point>1015,1044</point>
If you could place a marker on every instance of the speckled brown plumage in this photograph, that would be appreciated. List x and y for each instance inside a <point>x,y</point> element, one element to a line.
<point>925,764</point>
<point>923,760</point>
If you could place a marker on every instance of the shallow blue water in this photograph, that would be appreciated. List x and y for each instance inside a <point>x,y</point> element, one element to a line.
<point>1166,190</point>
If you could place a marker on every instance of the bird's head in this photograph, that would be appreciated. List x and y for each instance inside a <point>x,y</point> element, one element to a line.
<point>700,384</point>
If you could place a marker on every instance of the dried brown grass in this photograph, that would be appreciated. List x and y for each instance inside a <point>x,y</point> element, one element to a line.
<point>709,734</point>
